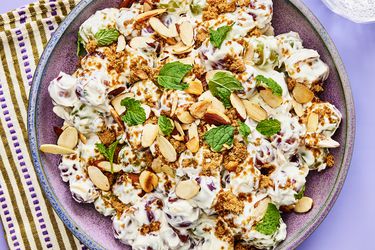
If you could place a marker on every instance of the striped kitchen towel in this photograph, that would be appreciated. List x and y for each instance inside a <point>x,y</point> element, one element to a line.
<point>28,219</point>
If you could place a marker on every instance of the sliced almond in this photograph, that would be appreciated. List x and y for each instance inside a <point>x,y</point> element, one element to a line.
<point>213,116</point>
<point>200,108</point>
<point>117,118</point>
<point>187,189</point>
<point>303,205</point>
<point>121,44</point>
<point>272,100</point>
<point>149,14</point>
<point>106,166</point>
<point>98,178</point>
<point>302,94</point>
<point>156,165</point>
<point>298,108</point>
<point>174,105</point>
<point>141,42</point>
<point>216,103</point>
<point>184,116</point>
<point>147,110</point>
<point>179,128</point>
<point>180,48</point>
<point>166,149</point>
<point>56,150</point>
<point>328,143</point>
<point>260,208</point>
<point>178,137</point>
<point>195,88</point>
<point>254,111</point>
<point>149,134</point>
<point>148,181</point>
<point>160,28</point>
<point>168,171</point>
<point>193,145</point>
<point>116,102</point>
<point>249,55</point>
<point>68,138</point>
<point>312,122</point>
<point>82,138</point>
<point>193,131</point>
<point>238,105</point>
<point>187,33</point>
<point>147,6</point>
<point>116,90</point>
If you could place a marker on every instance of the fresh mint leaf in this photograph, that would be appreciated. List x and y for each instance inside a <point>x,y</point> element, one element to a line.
<point>301,193</point>
<point>166,125</point>
<point>218,36</point>
<point>106,37</point>
<point>222,85</point>
<point>109,152</point>
<point>134,114</point>
<point>219,136</point>
<point>244,130</point>
<point>81,50</point>
<point>269,83</point>
<point>269,127</point>
<point>270,222</point>
<point>171,6</point>
<point>171,75</point>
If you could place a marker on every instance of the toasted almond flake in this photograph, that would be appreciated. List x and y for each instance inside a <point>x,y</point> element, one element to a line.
<point>160,28</point>
<point>147,6</point>
<point>149,134</point>
<point>193,145</point>
<point>187,33</point>
<point>298,108</point>
<point>173,29</point>
<point>166,149</point>
<point>260,208</point>
<point>106,166</point>
<point>184,116</point>
<point>249,54</point>
<point>121,44</point>
<point>312,122</point>
<point>178,137</point>
<point>148,181</point>
<point>116,90</point>
<point>61,112</point>
<point>168,171</point>
<point>328,143</point>
<point>149,14</point>
<point>141,74</point>
<point>213,116</point>
<point>193,131</point>
<point>238,105</point>
<point>147,110</point>
<point>272,100</point>
<point>156,165</point>
<point>303,205</point>
<point>98,178</point>
<point>174,105</point>
<point>187,189</point>
<point>179,128</point>
<point>187,60</point>
<point>68,138</point>
<point>179,48</point>
<point>302,94</point>
<point>116,102</point>
<point>141,42</point>
<point>56,150</point>
<point>82,138</point>
<point>185,126</point>
<point>215,103</point>
<point>117,118</point>
<point>200,108</point>
<point>254,111</point>
<point>195,88</point>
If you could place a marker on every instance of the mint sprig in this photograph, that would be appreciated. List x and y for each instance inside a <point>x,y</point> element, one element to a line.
<point>244,130</point>
<point>109,152</point>
<point>134,114</point>
<point>166,125</point>
<point>269,83</point>
<point>106,37</point>
<point>218,36</point>
<point>301,193</point>
<point>222,85</point>
<point>171,75</point>
<point>270,221</point>
<point>219,136</point>
<point>269,127</point>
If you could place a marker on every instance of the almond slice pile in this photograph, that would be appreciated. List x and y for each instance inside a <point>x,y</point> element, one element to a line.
<point>187,189</point>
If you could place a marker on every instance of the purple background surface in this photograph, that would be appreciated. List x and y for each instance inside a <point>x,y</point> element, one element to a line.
<point>350,223</point>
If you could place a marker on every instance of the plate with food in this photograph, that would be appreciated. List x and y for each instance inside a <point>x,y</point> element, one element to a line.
<point>191,124</point>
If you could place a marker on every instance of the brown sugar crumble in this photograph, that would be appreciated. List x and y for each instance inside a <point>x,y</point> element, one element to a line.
<point>223,232</point>
<point>235,156</point>
<point>149,228</point>
<point>216,7</point>
<point>91,46</point>
<point>107,136</point>
<point>227,203</point>
<point>234,64</point>
<point>330,160</point>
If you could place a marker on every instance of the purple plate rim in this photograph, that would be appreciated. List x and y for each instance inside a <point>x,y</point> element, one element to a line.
<point>292,243</point>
